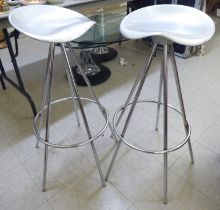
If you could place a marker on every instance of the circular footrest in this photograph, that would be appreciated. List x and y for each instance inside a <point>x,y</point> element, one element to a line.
<point>176,147</point>
<point>36,131</point>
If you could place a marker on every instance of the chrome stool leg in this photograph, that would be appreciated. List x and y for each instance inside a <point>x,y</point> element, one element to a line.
<point>137,94</point>
<point>75,89</point>
<point>136,82</point>
<point>186,125</point>
<point>134,86</point>
<point>48,109</point>
<point>73,96</point>
<point>91,88</point>
<point>163,90</point>
<point>165,127</point>
<point>159,96</point>
<point>45,92</point>
<point>73,99</point>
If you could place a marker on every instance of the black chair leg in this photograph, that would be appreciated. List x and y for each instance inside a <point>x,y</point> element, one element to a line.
<point>1,77</point>
<point>2,82</point>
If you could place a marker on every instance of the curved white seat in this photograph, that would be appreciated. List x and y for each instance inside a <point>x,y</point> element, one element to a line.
<point>50,23</point>
<point>181,24</point>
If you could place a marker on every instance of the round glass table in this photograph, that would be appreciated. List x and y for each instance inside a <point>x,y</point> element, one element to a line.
<point>94,47</point>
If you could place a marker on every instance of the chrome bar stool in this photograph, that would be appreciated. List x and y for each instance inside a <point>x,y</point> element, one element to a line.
<point>166,24</point>
<point>54,25</point>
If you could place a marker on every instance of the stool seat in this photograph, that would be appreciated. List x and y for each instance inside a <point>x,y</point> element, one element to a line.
<point>50,23</point>
<point>181,24</point>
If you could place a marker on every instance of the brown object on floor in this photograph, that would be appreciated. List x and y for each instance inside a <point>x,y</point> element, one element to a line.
<point>3,6</point>
<point>1,35</point>
<point>3,45</point>
<point>211,5</point>
<point>2,42</point>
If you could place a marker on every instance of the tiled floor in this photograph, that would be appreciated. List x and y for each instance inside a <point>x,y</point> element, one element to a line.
<point>136,181</point>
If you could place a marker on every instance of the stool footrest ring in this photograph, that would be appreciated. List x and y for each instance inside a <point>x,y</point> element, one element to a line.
<point>36,132</point>
<point>183,142</point>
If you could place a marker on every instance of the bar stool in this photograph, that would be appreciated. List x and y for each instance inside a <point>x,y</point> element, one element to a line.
<point>166,24</point>
<point>54,25</point>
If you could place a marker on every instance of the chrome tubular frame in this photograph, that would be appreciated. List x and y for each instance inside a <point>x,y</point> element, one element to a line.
<point>48,87</point>
<point>186,125</point>
<point>91,88</point>
<point>77,102</point>
<point>136,82</point>
<point>165,118</point>
<point>76,92</point>
<point>142,77</point>
<point>72,92</point>
<point>45,92</point>
<point>163,88</point>
<point>159,96</point>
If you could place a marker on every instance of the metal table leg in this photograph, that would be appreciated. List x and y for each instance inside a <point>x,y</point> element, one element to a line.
<point>2,81</point>
<point>96,73</point>
<point>3,75</point>
<point>103,54</point>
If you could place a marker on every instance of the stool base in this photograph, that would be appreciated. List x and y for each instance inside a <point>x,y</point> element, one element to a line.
<point>163,88</point>
<point>141,149</point>
<point>77,104</point>
<point>63,146</point>
<point>95,79</point>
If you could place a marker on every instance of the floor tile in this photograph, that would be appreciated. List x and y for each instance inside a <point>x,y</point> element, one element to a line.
<point>185,197</point>
<point>133,207</point>
<point>181,189</point>
<point>133,169</point>
<point>8,159</point>
<point>18,191</point>
<point>199,122</point>
<point>203,174</point>
<point>23,144</point>
<point>149,200</point>
<point>152,141</point>
<point>64,168</point>
<point>210,138</point>
<point>86,194</point>
<point>45,206</point>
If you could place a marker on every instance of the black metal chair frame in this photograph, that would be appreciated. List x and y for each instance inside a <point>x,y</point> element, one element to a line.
<point>3,75</point>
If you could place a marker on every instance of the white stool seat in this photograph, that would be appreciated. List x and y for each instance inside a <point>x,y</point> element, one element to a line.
<point>49,23</point>
<point>181,24</point>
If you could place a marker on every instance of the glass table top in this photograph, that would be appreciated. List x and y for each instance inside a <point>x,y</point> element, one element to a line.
<point>105,32</point>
